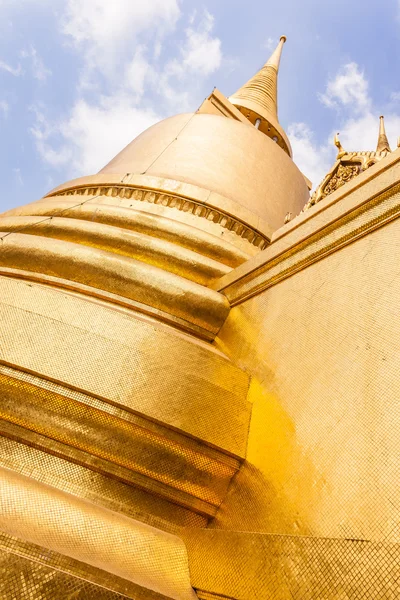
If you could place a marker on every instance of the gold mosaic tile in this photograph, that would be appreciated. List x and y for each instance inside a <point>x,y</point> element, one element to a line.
<point>323,347</point>
<point>28,572</point>
<point>250,566</point>
<point>110,354</point>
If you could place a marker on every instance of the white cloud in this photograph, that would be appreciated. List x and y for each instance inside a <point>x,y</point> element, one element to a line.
<point>16,71</point>
<point>313,160</point>
<point>106,24</point>
<point>200,55</point>
<point>202,52</point>
<point>107,32</point>
<point>269,44</point>
<point>395,96</point>
<point>18,177</point>
<point>92,134</point>
<point>4,107</point>
<point>348,88</point>
<point>358,125</point>
<point>361,133</point>
<point>139,73</point>
<point>120,46</point>
<point>39,70</point>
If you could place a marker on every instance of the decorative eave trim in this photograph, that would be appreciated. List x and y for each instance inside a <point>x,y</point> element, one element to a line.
<point>181,203</point>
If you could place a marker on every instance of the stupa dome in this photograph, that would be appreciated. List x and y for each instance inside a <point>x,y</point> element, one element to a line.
<point>222,155</point>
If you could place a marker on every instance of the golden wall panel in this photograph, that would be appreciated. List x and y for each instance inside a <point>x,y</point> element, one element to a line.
<point>125,361</point>
<point>28,580</point>
<point>77,473</point>
<point>364,204</point>
<point>248,566</point>
<point>128,549</point>
<point>114,439</point>
<point>361,221</point>
<point>323,347</point>
<point>29,572</point>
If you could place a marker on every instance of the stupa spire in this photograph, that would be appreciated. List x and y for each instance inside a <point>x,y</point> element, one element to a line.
<point>262,88</point>
<point>257,99</point>
<point>383,142</point>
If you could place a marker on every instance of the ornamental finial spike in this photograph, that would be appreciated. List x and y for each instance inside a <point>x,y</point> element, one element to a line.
<point>275,57</point>
<point>383,142</point>
<point>262,88</point>
<point>339,146</point>
<point>258,98</point>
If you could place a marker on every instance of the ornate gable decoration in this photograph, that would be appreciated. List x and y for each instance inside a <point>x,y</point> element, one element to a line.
<point>348,165</point>
<point>342,174</point>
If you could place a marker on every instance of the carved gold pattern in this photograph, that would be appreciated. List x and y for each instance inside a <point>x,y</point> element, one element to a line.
<point>342,175</point>
<point>173,201</point>
<point>348,165</point>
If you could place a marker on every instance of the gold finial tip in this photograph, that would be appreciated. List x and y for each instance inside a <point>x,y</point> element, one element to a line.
<point>283,38</point>
<point>383,142</point>
<point>338,145</point>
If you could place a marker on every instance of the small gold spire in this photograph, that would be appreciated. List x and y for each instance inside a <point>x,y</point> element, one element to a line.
<point>383,142</point>
<point>398,142</point>
<point>258,98</point>
<point>261,89</point>
<point>339,146</point>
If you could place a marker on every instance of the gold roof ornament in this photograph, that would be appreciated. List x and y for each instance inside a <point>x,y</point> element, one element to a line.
<point>383,142</point>
<point>339,146</point>
<point>350,164</point>
<point>258,99</point>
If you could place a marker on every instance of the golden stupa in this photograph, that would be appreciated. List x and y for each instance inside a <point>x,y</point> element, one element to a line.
<point>198,400</point>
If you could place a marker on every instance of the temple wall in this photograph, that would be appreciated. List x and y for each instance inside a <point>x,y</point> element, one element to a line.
<point>323,347</point>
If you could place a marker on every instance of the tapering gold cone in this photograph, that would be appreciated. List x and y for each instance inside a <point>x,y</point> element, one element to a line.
<point>258,98</point>
<point>263,86</point>
<point>383,142</point>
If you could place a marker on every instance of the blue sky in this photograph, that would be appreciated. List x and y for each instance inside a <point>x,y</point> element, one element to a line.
<point>80,78</point>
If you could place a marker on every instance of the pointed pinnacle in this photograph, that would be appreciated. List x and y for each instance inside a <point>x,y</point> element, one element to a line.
<point>275,57</point>
<point>261,89</point>
<point>383,142</point>
<point>258,99</point>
